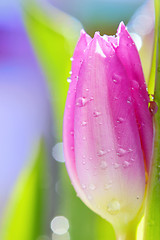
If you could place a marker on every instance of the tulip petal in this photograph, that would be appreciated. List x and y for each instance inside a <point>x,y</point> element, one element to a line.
<point>68,125</point>
<point>129,57</point>
<point>107,144</point>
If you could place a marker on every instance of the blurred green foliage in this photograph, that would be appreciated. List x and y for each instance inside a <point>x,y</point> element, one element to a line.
<point>25,215</point>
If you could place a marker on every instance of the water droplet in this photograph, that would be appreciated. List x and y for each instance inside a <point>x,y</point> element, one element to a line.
<point>115,98</point>
<point>71,59</point>
<point>135,84</point>
<point>153,108</point>
<point>72,133</point>
<point>70,72</point>
<point>120,120</point>
<point>101,153</point>
<point>84,138</point>
<point>72,148</point>
<point>96,114</point>
<point>84,123</point>
<point>116,165</point>
<point>126,164</point>
<point>129,100</point>
<point>60,225</point>
<point>83,162</point>
<point>121,152</point>
<point>107,186</point>
<point>116,78</point>
<point>69,80</point>
<point>113,207</point>
<point>92,186</point>
<point>83,186</point>
<point>91,98</point>
<point>81,102</point>
<point>130,150</point>
<point>87,89</point>
<point>103,164</point>
<point>137,197</point>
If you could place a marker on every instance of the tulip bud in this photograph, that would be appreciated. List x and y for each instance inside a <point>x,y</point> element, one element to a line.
<point>108,129</point>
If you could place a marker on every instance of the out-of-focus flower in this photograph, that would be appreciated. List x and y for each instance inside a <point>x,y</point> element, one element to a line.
<point>108,129</point>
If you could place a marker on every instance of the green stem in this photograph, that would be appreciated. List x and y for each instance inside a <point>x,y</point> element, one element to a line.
<point>128,234</point>
<point>152,213</point>
<point>151,84</point>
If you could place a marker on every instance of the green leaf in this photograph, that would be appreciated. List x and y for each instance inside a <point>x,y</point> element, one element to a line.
<point>54,35</point>
<point>25,215</point>
<point>152,216</point>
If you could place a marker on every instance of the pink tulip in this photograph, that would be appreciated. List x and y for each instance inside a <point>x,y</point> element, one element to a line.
<point>108,129</point>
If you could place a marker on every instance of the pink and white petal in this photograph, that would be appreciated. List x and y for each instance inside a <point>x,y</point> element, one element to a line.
<point>129,57</point>
<point>68,123</point>
<point>107,144</point>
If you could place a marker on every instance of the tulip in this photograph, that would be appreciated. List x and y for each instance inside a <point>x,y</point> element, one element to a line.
<point>108,128</point>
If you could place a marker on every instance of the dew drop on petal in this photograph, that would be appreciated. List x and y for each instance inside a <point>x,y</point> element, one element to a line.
<point>121,152</point>
<point>120,120</point>
<point>81,102</point>
<point>71,59</point>
<point>113,207</point>
<point>116,78</point>
<point>69,80</point>
<point>129,100</point>
<point>96,114</point>
<point>83,162</point>
<point>84,123</point>
<point>83,186</point>
<point>126,164</point>
<point>107,186</point>
<point>103,164</point>
<point>116,165</point>
<point>101,152</point>
<point>92,186</point>
<point>72,133</point>
<point>72,148</point>
<point>135,84</point>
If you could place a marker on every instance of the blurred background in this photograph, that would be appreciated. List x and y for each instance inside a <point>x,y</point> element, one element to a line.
<point>37,40</point>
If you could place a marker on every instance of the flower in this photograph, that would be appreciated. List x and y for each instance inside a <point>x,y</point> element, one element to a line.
<point>108,129</point>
